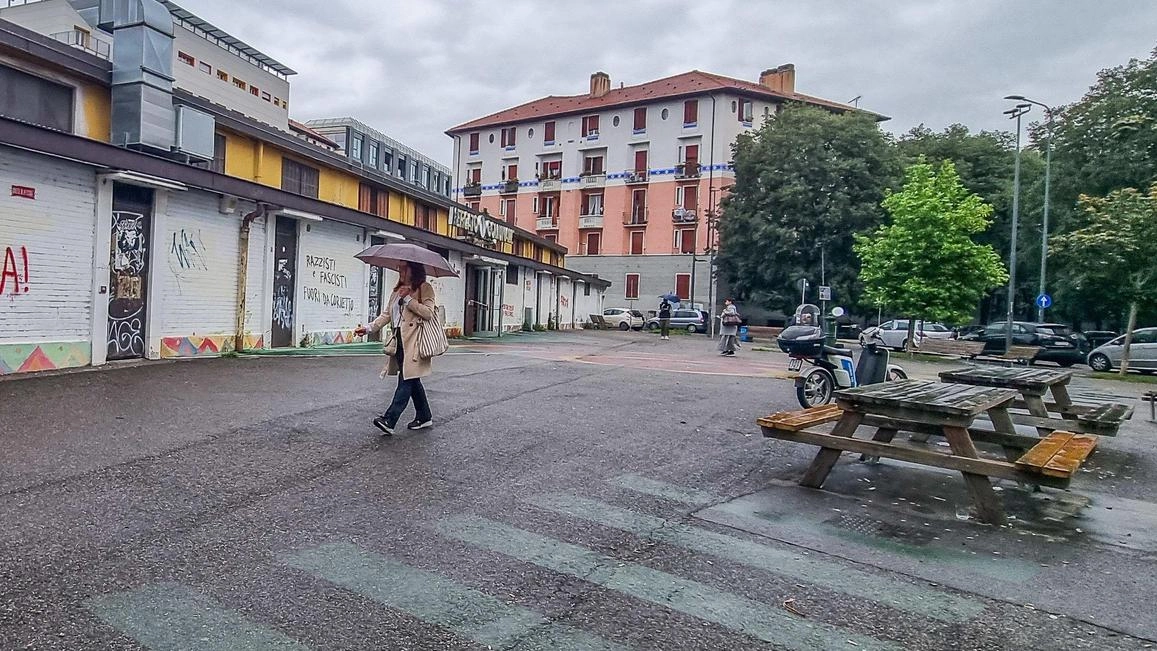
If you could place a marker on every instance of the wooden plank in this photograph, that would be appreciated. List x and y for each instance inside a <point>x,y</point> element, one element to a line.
<point>925,396</point>
<point>923,430</point>
<point>1035,381</point>
<point>1051,424</point>
<point>1113,414</point>
<point>988,507</point>
<point>827,457</point>
<point>952,347</point>
<point>1065,462</point>
<point>800,419</point>
<point>1039,455</point>
<point>918,455</point>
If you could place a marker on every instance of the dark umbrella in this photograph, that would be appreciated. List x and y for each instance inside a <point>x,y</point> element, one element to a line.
<point>392,256</point>
<point>671,297</point>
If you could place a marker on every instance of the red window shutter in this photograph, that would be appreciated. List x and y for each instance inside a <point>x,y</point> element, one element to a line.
<point>687,241</point>
<point>683,286</point>
<point>548,132</point>
<point>511,172</point>
<point>594,123</point>
<point>690,111</point>
<point>513,136</point>
<point>474,142</point>
<point>692,157</point>
<point>637,243</point>
<point>641,160</point>
<point>690,197</point>
<point>504,137</point>
<point>632,289</point>
<point>593,241</point>
<point>640,118</point>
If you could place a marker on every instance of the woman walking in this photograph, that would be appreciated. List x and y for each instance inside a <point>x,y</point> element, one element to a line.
<point>411,303</point>
<point>729,322</point>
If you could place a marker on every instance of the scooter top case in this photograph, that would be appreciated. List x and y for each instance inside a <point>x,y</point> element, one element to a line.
<point>802,341</point>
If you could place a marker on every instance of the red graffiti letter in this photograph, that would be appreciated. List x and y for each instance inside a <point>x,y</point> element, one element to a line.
<point>10,270</point>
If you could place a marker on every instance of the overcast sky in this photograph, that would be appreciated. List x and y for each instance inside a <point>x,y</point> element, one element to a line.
<point>416,68</point>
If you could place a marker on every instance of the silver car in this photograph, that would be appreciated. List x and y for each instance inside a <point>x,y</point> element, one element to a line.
<point>1142,352</point>
<point>894,333</point>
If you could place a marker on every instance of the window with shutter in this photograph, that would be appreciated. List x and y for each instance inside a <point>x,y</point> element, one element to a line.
<point>640,119</point>
<point>683,286</point>
<point>690,112</point>
<point>548,133</point>
<point>637,242</point>
<point>632,286</point>
<point>474,143</point>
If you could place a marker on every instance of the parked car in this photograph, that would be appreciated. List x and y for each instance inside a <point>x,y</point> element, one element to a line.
<point>624,318</point>
<point>894,333</point>
<point>1097,338</point>
<point>1142,352</point>
<point>689,320</point>
<point>964,331</point>
<point>1055,345</point>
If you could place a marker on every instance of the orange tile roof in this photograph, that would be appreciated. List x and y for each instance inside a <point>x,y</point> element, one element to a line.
<point>687,83</point>
<point>301,128</point>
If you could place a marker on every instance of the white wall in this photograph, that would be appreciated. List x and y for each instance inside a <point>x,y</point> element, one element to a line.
<point>50,299</point>
<point>332,286</point>
<point>565,304</point>
<point>514,299</point>
<point>450,294</point>
<point>207,85</point>
<point>52,17</point>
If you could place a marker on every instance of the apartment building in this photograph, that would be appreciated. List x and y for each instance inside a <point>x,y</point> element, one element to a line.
<point>154,205</point>
<point>629,179</point>
<point>378,152</point>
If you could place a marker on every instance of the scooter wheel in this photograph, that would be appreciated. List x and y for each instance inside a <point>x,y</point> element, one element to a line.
<point>815,389</point>
<point>896,374</point>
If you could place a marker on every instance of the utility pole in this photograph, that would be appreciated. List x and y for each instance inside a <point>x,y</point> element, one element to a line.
<point>1044,233</point>
<point>1013,113</point>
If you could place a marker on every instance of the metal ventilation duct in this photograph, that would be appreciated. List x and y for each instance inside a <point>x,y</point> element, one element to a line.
<point>142,73</point>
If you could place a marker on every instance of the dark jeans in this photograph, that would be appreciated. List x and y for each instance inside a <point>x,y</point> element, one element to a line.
<point>407,390</point>
<point>664,326</point>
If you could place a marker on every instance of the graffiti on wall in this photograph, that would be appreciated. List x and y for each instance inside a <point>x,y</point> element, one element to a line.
<point>563,301</point>
<point>187,255</point>
<point>323,271</point>
<point>507,310</point>
<point>14,280</point>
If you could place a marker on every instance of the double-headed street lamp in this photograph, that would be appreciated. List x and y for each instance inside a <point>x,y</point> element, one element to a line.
<point>1014,113</point>
<point>1044,236</point>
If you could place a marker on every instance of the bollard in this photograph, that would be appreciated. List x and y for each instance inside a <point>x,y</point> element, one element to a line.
<point>1151,396</point>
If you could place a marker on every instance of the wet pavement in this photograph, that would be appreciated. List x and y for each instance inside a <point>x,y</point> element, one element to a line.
<point>579,490</point>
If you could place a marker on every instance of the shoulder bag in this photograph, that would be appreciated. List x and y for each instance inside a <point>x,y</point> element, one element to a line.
<point>731,320</point>
<point>432,336</point>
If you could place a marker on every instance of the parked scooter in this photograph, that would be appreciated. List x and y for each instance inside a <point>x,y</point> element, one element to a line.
<point>834,370</point>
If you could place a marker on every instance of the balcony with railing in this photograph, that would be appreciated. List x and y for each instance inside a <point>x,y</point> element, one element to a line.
<point>509,187</point>
<point>592,179</point>
<point>549,182</point>
<point>84,41</point>
<point>636,177</point>
<point>636,217</point>
<point>546,222</point>
<point>472,189</point>
<point>594,220</point>
<point>688,170</point>
<point>684,216</point>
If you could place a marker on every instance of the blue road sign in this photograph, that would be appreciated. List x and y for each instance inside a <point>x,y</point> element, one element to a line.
<point>1044,301</point>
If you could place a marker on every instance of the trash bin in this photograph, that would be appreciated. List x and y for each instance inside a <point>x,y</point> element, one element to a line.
<point>743,336</point>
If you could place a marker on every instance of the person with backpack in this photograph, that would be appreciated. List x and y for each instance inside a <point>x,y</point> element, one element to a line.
<point>664,319</point>
<point>729,322</point>
<point>410,304</point>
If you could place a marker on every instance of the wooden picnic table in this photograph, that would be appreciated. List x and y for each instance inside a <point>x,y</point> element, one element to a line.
<point>1034,384</point>
<point>928,407</point>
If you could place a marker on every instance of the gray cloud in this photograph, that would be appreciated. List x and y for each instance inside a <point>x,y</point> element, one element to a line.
<point>414,69</point>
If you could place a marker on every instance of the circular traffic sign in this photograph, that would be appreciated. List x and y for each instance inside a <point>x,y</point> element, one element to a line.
<point>1044,301</point>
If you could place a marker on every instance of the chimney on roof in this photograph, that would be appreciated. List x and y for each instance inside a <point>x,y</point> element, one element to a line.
<point>780,79</point>
<point>600,84</point>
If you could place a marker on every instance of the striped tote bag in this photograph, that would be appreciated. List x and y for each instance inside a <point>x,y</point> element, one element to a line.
<point>432,336</point>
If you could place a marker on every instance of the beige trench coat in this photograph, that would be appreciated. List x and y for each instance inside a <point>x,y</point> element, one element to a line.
<point>418,310</point>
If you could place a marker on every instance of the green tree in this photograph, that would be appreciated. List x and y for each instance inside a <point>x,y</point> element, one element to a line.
<point>984,161</point>
<point>925,263</point>
<point>1114,252</point>
<point>804,183</point>
<point>1104,142</point>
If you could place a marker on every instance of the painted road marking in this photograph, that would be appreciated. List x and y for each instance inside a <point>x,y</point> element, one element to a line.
<point>667,590</point>
<point>666,491</point>
<point>791,564</point>
<point>440,601</point>
<point>170,616</point>
<point>738,515</point>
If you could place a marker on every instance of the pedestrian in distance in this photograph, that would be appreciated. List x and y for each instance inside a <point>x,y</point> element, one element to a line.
<point>729,322</point>
<point>664,319</point>
<point>410,304</point>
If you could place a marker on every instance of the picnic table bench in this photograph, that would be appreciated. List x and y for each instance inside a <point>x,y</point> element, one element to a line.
<point>952,347</point>
<point>599,322</point>
<point>947,409</point>
<point>1015,355</point>
<point>1034,384</point>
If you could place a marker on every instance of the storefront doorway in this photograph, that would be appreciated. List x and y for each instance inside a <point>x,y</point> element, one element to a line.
<point>484,285</point>
<point>132,218</point>
<point>284,281</point>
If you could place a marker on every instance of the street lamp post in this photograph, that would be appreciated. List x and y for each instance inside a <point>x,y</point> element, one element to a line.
<point>1014,113</point>
<point>1044,236</point>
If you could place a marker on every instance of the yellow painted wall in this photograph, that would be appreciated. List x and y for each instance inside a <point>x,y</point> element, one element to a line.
<point>338,187</point>
<point>95,104</point>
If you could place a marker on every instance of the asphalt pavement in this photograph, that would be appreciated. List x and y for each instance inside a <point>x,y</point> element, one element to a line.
<point>578,491</point>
